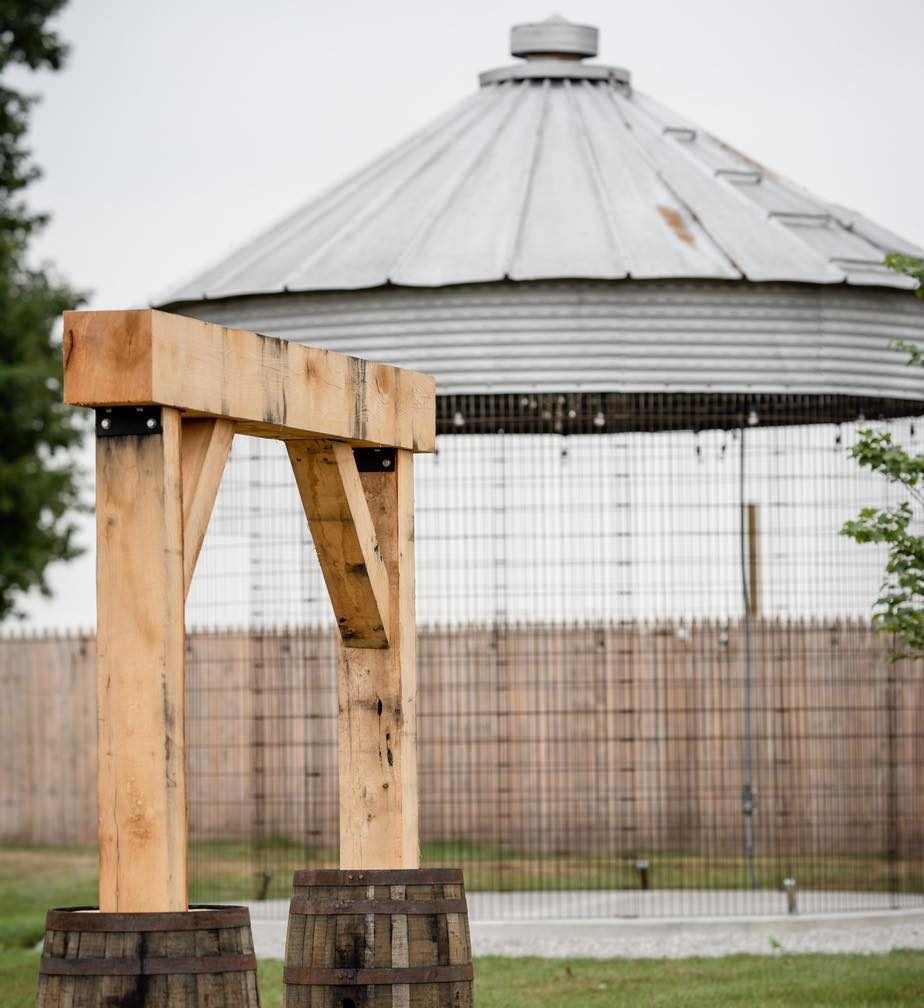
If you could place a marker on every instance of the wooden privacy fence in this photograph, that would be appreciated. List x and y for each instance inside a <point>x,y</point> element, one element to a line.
<point>533,738</point>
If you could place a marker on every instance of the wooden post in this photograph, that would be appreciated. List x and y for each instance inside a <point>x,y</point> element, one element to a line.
<point>377,691</point>
<point>140,675</point>
<point>753,560</point>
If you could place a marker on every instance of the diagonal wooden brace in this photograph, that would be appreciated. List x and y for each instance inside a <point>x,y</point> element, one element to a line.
<point>344,538</point>
<point>205,447</point>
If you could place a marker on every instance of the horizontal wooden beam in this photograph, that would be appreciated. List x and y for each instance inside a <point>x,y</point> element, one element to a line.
<point>344,538</point>
<point>269,387</point>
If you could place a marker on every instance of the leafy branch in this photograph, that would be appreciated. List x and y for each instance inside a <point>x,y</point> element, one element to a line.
<point>899,609</point>
<point>910,267</point>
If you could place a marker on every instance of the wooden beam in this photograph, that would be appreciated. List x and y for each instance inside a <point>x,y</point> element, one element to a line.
<point>140,675</point>
<point>753,521</point>
<point>205,445</point>
<point>269,387</point>
<point>378,702</point>
<point>344,538</point>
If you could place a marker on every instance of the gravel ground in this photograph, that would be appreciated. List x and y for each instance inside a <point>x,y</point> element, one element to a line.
<point>684,939</point>
<point>861,926</point>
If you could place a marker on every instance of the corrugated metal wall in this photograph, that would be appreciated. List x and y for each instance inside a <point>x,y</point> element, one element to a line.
<point>655,336</point>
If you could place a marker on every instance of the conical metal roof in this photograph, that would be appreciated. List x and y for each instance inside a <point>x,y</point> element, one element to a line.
<point>556,168</point>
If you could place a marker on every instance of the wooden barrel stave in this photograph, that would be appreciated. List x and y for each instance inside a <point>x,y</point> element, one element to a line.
<point>181,955</point>
<point>333,938</point>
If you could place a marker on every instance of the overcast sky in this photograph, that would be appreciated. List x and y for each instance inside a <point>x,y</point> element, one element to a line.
<point>182,127</point>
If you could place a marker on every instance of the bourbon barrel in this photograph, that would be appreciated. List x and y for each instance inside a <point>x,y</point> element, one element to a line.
<point>378,939</point>
<point>200,958</point>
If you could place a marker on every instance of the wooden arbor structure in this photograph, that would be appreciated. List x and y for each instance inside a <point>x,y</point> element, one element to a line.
<point>169,394</point>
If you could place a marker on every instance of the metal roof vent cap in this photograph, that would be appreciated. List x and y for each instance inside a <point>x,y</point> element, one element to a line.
<point>554,38</point>
<point>555,50</point>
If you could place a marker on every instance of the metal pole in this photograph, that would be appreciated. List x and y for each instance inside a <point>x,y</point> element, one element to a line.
<point>747,789</point>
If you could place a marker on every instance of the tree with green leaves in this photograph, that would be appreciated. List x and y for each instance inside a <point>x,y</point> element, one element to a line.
<point>39,478</point>
<point>899,609</point>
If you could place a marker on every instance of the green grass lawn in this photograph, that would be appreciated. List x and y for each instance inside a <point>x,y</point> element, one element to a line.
<point>33,880</point>
<point>747,981</point>
<point>804,981</point>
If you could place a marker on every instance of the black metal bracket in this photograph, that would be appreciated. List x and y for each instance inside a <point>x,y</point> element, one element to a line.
<point>374,459</point>
<point>120,421</point>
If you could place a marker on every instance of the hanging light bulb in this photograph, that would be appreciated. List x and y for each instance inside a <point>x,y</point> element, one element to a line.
<point>572,413</point>
<point>599,419</point>
<point>753,418</point>
<point>458,420</point>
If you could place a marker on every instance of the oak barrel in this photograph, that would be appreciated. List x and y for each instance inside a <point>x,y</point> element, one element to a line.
<point>378,939</point>
<point>200,958</point>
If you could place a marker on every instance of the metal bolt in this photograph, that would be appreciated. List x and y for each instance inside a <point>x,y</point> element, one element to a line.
<point>150,423</point>
<point>105,423</point>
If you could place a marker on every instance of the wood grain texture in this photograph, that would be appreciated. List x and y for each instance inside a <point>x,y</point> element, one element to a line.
<point>378,699</point>
<point>753,537</point>
<point>400,993</point>
<point>205,445</point>
<point>269,387</point>
<point>331,948</point>
<point>344,538</point>
<point>140,672</point>
<point>112,353</point>
<point>208,964</point>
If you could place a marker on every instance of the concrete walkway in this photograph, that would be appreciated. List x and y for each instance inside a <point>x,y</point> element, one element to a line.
<point>663,924</point>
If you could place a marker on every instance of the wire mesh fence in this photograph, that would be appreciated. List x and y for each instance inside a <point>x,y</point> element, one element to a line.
<point>648,680</point>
